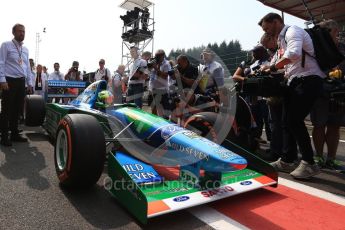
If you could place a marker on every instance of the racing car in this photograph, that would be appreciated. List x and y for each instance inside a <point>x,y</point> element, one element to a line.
<point>154,166</point>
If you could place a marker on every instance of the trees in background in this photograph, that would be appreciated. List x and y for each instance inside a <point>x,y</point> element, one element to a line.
<point>230,54</point>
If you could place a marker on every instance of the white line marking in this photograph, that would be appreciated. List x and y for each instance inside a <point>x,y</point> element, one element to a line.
<point>215,219</point>
<point>312,191</point>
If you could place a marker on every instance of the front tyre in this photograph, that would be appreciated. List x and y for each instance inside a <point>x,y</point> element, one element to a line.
<point>79,151</point>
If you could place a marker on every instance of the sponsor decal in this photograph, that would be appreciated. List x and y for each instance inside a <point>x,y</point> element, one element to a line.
<point>168,131</point>
<point>247,182</point>
<point>190,151</point>
<point>136,172</point>
<point>217,191</point>
<point>181,198</point>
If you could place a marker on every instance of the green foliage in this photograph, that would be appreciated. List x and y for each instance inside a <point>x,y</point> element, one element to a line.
<point>230,54</point>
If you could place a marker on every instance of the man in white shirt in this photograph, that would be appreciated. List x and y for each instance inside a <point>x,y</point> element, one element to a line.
<point>15,71</point>
<point>56,75</point>
<point>137,75</point>
<point>304,85</point>
<point>102,73</point>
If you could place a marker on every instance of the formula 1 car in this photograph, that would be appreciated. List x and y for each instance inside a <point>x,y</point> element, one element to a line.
<point>154,165</point>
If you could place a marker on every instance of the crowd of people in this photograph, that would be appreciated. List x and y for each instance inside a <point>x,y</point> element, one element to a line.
<point>177,88</point>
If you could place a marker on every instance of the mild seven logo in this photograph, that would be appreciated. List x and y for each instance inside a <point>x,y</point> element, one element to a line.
<point>181,198</point>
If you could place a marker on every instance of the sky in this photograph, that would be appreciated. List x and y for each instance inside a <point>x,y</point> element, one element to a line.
<point>91,29</point>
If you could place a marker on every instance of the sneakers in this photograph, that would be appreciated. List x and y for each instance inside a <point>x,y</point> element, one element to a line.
<point>305,170</point>
<point>282,166</point>
<point>334,165</point>
<point>319,160</point>
<point>18,138</point>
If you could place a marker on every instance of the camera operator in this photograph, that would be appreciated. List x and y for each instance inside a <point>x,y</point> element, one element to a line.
<point>258,104</point>
<point>159,84</point>
<point>137,75</point>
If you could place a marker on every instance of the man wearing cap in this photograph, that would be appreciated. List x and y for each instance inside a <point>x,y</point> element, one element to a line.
<point>102,73</point>
<point>212,74</point>
<point>137,75</point>
<point>14,72</point>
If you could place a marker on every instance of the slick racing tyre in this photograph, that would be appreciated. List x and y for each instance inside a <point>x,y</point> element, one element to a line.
<point>79,151</point>
<point>34,110</point>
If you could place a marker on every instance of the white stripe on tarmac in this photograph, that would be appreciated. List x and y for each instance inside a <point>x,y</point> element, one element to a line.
<point>215,219</point>
<point>312,191</point>
<point>220,221</point>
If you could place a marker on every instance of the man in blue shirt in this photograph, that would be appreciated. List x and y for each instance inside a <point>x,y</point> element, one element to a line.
<point>15,71</point>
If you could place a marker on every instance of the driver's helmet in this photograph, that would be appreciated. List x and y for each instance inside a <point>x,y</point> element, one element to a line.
<point>105,97</point>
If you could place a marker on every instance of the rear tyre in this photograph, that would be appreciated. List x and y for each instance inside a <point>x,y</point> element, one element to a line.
<point>79,151</point>
<point>34,110</point>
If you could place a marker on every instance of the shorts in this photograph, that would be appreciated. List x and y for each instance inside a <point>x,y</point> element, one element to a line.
<point>321,116</point>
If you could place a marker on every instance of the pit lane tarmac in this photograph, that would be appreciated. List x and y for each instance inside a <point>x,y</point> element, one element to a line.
<point>30,198</point>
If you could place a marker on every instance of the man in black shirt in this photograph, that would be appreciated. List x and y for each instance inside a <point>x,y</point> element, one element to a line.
<point>188,74</point>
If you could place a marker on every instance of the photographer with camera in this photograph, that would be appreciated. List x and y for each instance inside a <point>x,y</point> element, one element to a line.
<point>159,84</point>
<point>258,104</point>
<point>73,74</point>
<point>137,75</point>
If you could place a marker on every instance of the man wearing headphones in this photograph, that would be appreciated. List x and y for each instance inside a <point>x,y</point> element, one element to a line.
<point>14,72</point>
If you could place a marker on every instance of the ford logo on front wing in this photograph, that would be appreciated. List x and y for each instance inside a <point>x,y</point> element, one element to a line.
<point>181,198</point>
<point>247,182</point>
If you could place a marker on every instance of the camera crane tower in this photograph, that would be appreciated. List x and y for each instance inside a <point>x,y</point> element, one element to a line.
<point>138,27</point>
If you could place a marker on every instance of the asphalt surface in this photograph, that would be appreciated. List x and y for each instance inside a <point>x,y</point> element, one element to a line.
<point>30,196</point>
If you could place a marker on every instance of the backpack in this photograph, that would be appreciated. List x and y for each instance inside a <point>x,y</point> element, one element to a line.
<point>327,53</point>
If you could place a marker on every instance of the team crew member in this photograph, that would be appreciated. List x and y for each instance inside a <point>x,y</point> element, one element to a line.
<point>14,72</point>
<point>137,77</point>
<point>304,81</point>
